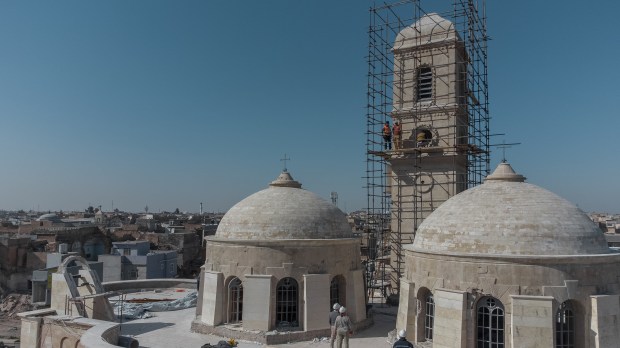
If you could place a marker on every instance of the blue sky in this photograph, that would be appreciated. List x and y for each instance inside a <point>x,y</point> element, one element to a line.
<point>169,104</point>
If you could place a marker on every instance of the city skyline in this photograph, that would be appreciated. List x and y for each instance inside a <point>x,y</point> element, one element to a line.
<point>169,105</point>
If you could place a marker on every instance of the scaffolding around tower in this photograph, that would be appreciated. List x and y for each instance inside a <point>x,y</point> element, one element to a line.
<point>428,71</point>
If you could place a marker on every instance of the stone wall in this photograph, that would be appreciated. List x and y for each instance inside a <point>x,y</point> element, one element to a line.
<point>530,289</point>
<point>532,321</point>
<point>15,268</point>
<point>272,337</point>
<point>41,330</point>
<point>129,285</point>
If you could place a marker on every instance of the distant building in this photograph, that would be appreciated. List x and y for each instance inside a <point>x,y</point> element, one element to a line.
<point>607,223</point>
<point>147,223</point>
<point>14,259</point>
<point>100,217</point>
<point>134,260</point>
<point>173,226</point>
<point>613,240</point>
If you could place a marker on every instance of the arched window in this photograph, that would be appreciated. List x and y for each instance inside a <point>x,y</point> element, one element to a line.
<point>423,137</point>
<point>429,316</point>
<point>425,83</point>
<point>565,326</point>
<point>286,303</point>
<point>490,323</point>
<point>337,291</point>
<point>235,300</point>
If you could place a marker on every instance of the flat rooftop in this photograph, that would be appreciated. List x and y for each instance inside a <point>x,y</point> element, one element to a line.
<point>172,329</point>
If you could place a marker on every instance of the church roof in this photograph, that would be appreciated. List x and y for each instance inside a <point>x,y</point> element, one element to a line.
<point>284,211</point>
<point>507,216</point>
<point>430,28</point>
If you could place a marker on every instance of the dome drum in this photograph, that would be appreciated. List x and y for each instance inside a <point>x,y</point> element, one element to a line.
<point>317,256</point>
<point>534,274</point>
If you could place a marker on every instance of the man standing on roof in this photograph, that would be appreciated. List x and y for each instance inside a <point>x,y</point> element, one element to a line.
<point>332,323</point>
<point>398,132</point>
<point>402,340</point>
<point>387,136</point>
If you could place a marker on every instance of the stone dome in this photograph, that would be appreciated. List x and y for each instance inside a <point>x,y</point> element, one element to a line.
<point>430,28</point>
<point>506,216</point>
<point>284,211</point>
<point>49,217</point>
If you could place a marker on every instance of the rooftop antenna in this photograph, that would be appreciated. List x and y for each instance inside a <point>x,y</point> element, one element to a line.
<point>334,196</point>
<point>504,145</point>
<point>284,160</point>
<point>202,242</point>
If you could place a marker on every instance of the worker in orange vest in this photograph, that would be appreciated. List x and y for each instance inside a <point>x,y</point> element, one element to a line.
<point>387,136</point>
<point>397,132</point>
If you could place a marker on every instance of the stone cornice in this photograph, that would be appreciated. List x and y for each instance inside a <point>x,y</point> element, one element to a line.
<point>282,242</point>
<point>425,108</point>
<point>521,259</point>
<point>444,43</point>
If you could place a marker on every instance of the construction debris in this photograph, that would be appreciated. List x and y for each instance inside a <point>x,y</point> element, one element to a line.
<point>128,310</point>
<point>15,303</point>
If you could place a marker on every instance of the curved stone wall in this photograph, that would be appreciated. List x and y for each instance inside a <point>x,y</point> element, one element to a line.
<point>139,284</point>
<point>333,256</point>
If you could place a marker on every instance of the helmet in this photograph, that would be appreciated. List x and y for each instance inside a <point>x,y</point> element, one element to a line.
<point>336,306</point>
<point>342,309</point>
<point>402,333</point>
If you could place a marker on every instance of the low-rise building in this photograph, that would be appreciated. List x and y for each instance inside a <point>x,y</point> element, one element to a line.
<point>42,278</point>
<point>14,274</point>
<point>134,260</point>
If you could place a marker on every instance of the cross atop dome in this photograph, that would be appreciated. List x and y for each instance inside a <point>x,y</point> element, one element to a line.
<point>284,159</point>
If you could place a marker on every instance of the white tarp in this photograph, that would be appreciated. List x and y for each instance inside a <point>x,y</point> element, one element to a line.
<point>127,310</point>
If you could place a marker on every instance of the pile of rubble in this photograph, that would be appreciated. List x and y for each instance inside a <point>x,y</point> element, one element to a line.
<point>15,303</point>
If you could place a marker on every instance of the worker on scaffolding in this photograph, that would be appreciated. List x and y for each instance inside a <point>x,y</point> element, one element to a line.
<point>398,136</point>
<point>387,136</point>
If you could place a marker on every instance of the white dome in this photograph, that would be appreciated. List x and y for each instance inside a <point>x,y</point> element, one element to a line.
<point>284,211</point>
<point>430,28</point>
<point>49,217</point>
<point>506,216</point>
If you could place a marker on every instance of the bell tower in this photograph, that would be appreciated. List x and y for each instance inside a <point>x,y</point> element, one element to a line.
<point>429,102</point>
<point>428,73</point>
